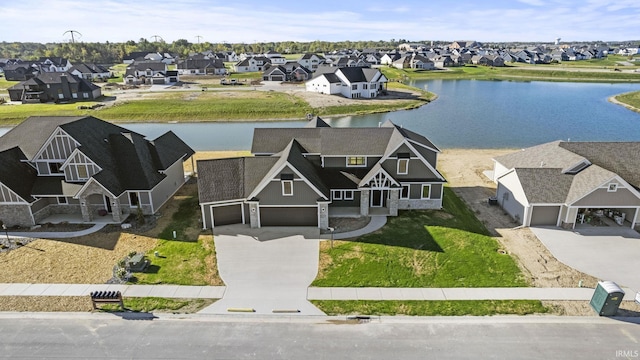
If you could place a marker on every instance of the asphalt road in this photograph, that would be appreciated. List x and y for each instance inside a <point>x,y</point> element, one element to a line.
<point>108,337</point>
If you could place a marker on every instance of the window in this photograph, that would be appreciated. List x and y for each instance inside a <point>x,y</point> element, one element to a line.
<point>354,87</point>
<point>356,161</point>
<point>82,172</point>
<point>287,187</point>
<point>348,195</point>
<point>404,193</point>
<point>612,187</point>
<point>403,166</point>
<point>54,168</point>
<point>336,194</point>
<point>134,199</point>
<point>62,200</point>
<point>85,95</point>
<point>74,95</point>
<point>426,191</point>
<point>365,86</point>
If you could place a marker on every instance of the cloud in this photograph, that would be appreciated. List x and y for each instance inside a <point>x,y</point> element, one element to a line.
<point>532,2</point>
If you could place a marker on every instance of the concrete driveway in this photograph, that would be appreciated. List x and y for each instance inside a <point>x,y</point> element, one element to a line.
<point>266,269</point>
<point>605,253</point>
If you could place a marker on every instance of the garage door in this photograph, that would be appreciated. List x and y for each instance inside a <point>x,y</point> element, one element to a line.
<point>544,215</point>
<point>277,78</point>
<point>225,215</point>
<point>298,216</point>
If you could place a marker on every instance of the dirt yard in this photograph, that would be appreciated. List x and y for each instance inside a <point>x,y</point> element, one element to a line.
<point>463,169</point>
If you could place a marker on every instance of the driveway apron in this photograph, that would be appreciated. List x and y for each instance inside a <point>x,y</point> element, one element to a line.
<point>608,254</point>
<point>267,270</point>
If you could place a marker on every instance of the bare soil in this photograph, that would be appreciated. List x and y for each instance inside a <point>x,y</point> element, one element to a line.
<point>463,169</point>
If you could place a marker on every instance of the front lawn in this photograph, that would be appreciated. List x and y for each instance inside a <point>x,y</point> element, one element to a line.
<point>421,248</point>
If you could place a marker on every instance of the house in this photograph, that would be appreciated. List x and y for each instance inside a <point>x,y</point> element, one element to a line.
<point>303,176</point>
<point>275,57</point>
<point>350,82</point>
<point>275,73</point>
<point>21,71</point>
<point>413,61</point>
<point>251,64</point>
<point>54,64</point>
<point>310,61</point>
<point>54,86</point>
<point>570,184</point>
<point>201,66</point>
<point>149,73</point>
<point>85,168</point>
<point>90,71</point>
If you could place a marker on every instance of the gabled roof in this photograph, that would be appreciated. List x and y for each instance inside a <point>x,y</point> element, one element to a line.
<point>16,174</point>
<point>317,122</point>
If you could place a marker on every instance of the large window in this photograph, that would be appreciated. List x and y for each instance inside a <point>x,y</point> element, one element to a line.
<point>356,161</point>
<point>426,191</point>
<point>134,199</point>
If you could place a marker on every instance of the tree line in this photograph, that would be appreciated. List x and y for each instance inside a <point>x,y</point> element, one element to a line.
<point>111,53</point>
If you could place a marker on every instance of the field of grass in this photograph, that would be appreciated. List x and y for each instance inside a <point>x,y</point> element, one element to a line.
<point>204,106</point>
<point>431,308</point>
<point>447,248</point>
<point>14,114</point>
<point>4,84</point>
<point>632,99</point>
<point>150,304</point>
<point>187,259</point>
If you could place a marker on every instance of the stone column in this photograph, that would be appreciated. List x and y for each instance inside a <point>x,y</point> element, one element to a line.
<point>364,202</point>
<point>85,210</point>
<point>254,215</point>
<point>394,199</point>
<point>323,215</point>
<point>116,210</point>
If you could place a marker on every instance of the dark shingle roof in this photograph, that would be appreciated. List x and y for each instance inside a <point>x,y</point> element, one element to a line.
<point>220,179</point>
<point>169,148</point>
<point>622,158</point>
<point>15,174</point>
<point>544,186</point>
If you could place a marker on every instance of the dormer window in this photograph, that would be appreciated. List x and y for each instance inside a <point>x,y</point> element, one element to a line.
<point>356,161</point>
<point>613,187</point>
<point>54,168</point>
<point>286,180</point>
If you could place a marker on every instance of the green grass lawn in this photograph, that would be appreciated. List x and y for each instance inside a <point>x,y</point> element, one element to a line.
<point>14,114</point>
<point>187,259</point>
<point>632,99</point>
<point>431,308</point>
<point>447,248</point>
<point>4,84</point>
<point>149,304</point>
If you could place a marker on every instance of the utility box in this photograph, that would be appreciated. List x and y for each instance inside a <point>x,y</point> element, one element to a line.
<point>607,298</point>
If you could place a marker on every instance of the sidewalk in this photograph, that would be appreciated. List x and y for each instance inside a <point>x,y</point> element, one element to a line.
<point>376,223</point>
<point>54,234</point>
<point>313,293</point>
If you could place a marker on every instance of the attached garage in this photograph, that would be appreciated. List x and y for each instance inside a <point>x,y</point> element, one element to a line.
<point>289,216</point>
<point>277,78</point>
<point>544,215</point>
<point>224,215</point>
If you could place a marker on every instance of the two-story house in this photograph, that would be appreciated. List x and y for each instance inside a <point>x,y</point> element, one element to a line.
<point>149,73</point>
<point>54,86</point>
<point>251,64</point>
<point>303,176</point>
<point>310,61</point>
<point>350,82</point>
<point>85,169</point>
<point>91,71</point>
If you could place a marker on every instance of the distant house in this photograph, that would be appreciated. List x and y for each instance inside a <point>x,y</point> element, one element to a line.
<point>149,73</point>
<point>275,73</point>
<point>571,184</point>
<point>85,168</point>
<point>251,64</point>
<point>304,176</point>
<point>21,71</point>
<point>54,86</point>
<point>201,66</point>
<point>54,64</point>
<point>413,61</point>
<point>275,57</point>
<point>310,61</point>
<point>350,82</point>
<point>90,71</point>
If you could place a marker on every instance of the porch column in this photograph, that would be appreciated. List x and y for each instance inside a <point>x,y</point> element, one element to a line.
<point>364,202</point>
<point>323,215</point>
<point>394,199</point>
<point>254,215</point>
<point>116,210</point>
<point>84,209</point>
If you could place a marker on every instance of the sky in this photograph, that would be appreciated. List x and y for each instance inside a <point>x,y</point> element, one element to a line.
<point>249,21</point>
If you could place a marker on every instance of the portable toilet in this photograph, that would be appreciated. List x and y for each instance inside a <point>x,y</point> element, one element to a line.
<point>607,298</point>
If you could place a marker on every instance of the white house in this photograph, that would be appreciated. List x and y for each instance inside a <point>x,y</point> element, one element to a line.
<point>350,82</point>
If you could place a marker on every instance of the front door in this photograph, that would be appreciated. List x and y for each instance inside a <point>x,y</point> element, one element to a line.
<point>377,199</point>
<point>107,204</point>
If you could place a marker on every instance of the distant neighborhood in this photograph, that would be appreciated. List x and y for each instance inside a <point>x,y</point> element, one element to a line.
<point>58,79</point>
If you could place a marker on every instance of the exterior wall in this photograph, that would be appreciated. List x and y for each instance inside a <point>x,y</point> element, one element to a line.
<point>498,171</point>
<point>321,85</point>
<point>341,162</point>
<point>71,173</point>
<point>570,218</point>
<point>323,215</point>
<point>57,150</point>
<point>347,203</point>
<point>602,198</point>
<point>364,202</point>
<point>302,194</point>
<point>417,169</point>
<point>16,215</point>
<point>408,204</point>
<point>9,196</point>
<point>511,196</point>
<point>544,215</point>
<point>168,186</point>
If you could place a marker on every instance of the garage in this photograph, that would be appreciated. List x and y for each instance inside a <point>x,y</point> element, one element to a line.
<point>293,216</point>
<point>226,215</point>
<point>277,78</point>
<point>544,215</point>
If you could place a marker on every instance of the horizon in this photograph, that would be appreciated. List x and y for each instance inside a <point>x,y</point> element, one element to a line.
<point>249,21</point>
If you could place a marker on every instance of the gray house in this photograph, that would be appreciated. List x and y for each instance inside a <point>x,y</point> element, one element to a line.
<point>302,176</point>
<point>571,184</point>
<point>86,168</point>
<point>54,86</point>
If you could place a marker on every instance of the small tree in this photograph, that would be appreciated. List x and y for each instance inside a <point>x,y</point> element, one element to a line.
<point>140,216</point>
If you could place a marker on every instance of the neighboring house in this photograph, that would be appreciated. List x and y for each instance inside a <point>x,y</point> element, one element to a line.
<point>350,82</point>
<point>90,71</point>
<point>303,176</point>
<point>413,61</point>
<point>54,86</point>
<point>86,168</point>
<point>389,58</point>
<point>150,73</point>
<point>251,64</point>
<point>275,73</point>
<point>275,58</point>
<point>310,61</point>
<point>201,66</point>
<point>54,64</point>
<point>570,184</point>
<point>300,74</point>
<point>21,71</point>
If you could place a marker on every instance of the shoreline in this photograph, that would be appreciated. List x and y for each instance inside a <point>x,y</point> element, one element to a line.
<point>613,99</point>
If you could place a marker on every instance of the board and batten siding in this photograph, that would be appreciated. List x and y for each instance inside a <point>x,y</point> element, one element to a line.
<point>72,173</point>
<point>169,185</point>
<point>8,196</point>
<point>57,149</point>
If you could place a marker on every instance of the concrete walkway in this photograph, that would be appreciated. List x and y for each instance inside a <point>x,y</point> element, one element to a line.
<point>312,293</point>
<point>56,234</point>
<point>376,223</point>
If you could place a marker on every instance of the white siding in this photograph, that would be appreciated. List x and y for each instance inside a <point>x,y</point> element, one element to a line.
<point>168,186</point>
<point>511,196</point>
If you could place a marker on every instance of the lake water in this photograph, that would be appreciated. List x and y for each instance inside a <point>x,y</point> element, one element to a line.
<point>467,114</point>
